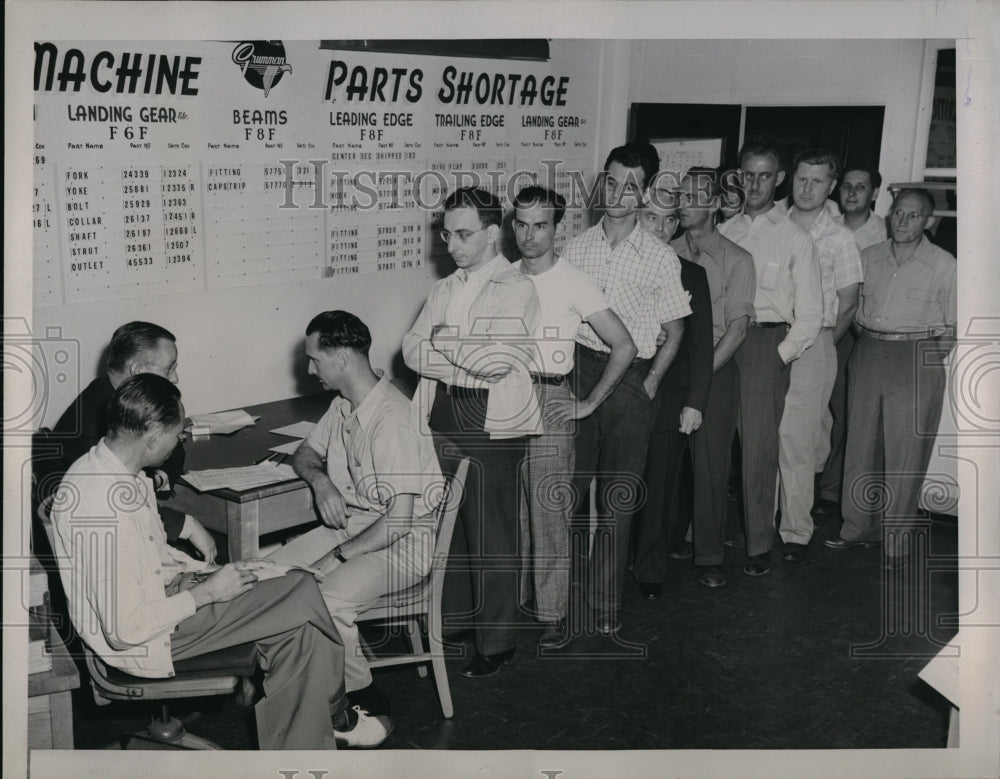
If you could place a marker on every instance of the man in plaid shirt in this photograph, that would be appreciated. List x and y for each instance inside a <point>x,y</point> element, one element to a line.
<point>803,447</point>
<point>640,276</point>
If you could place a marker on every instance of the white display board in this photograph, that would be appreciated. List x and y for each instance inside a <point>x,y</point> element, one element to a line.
<point>177,167</point>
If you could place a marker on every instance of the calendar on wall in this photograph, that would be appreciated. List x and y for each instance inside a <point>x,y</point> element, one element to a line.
<point>196,166</point>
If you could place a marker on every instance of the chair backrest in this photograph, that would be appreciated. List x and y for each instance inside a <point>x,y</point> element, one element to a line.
<point>450,504</point>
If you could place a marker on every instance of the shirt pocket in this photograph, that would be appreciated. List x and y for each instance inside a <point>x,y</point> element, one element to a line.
<point>628,301</point>
<point>921,307</point>
<point>770,275</point>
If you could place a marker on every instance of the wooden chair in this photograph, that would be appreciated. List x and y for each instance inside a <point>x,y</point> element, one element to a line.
<point>422,601</point>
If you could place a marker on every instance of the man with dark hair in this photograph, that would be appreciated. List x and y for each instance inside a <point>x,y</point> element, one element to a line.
<point>803,446</point>
<point>788,312</point>
<point>641,279</point>
<point>859,187</point>
<point>567,297</point>
<point>896,379</point>
<point>682,397</point>
<point>374,476</point>
<point>731,282</point>
<point>471,344</point>
<point>135,348</point>
<point>142,606</point>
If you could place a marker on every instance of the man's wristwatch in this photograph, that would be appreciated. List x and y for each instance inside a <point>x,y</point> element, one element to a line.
<point>338,554</point>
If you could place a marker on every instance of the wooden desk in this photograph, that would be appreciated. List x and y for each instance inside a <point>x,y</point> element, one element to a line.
<point>244,516</point>
<point>56,684</point>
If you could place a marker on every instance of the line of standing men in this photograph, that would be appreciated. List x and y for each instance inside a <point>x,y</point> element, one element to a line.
<point>776,286</point>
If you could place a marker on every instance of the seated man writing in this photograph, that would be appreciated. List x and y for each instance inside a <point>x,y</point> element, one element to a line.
<point>372,472</point>
<point>136,347</point>
<point>141,605</point>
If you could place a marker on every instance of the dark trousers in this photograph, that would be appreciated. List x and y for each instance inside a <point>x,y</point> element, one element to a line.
<point>611,448</point>
<point>895,391</point>
<point>833,472</point>
<point>711,459</point>
<point>763,383</point>
<point>488,519</point>
<point>298,649</point>
<point>659,527</point>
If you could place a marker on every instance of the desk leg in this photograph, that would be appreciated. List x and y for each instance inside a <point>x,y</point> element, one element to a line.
<point>61,711</point>
<point>243,530</point>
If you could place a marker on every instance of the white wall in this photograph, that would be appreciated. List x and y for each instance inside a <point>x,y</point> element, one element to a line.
<point>240,346</point>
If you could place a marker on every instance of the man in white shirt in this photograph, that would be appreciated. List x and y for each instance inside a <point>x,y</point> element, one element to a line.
<point>788,306</point>
<point>641,278</point>
<point>471,343</point>
<point>859,188</point>
<point>374,475</point>
<point>567,297</point>
<point>803,446</point>
<point>141,605</point>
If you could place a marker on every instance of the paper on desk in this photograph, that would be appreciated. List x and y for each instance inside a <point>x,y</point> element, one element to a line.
<point>289,448</point>
<point>239,478</point>
<point>221,422</point>
<point>296,430</point>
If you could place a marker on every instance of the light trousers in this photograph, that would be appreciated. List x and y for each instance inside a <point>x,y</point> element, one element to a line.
<point>800,434</point>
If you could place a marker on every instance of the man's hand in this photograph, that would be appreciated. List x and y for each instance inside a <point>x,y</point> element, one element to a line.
<point>690,420</point>
<point>650,384</point>
<point>227,583</point>
<point>559,412</point>
<point>330,504</point>
<point>200,539</point>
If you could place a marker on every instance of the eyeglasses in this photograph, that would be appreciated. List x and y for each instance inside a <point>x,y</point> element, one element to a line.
<point>461,235</point>
<point>908,216</point>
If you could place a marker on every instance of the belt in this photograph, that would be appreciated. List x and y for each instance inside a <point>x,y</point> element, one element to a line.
<point>463,393</point>
<point>769,324</point>
<point>553,379</point>
<point>605,356</point>
<point>896,336</point>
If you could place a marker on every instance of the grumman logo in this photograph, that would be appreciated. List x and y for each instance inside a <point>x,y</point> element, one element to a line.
<point>262,63</point>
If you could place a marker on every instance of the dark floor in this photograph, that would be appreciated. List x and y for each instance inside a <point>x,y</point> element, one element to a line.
<point>818,654</point>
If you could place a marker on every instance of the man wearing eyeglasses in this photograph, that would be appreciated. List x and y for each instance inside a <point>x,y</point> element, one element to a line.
<point>641,277</point>
<point>472,344</point>
<point>788,312</point>
<point>136,347</point>
<point>682,398</point>
<point>896,379</point>
<point>859,188</point>
<point>731,283</point>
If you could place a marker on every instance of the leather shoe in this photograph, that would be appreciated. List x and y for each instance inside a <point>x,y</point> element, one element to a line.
<point>486,665</point>
<point>895,562</point>
<point>554,634</point>
<point>713,576</point>
<point>651,590</point>
<point>683,552</point>
<point>795,553</point>
<point>840,544</point>
<point>758,565</point>
<point>607,623</point>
